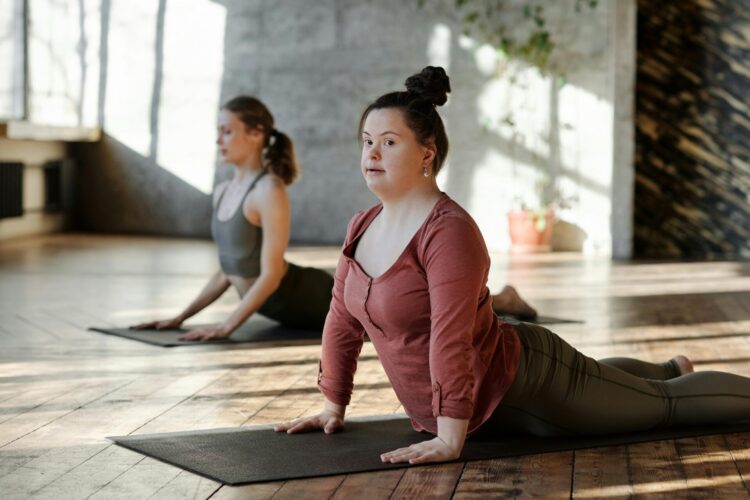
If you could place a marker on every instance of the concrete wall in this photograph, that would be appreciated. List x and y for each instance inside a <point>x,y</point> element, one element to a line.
<point>168,65</point>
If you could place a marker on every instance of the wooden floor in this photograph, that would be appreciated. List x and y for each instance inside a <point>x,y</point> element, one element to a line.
<point>64,389</point>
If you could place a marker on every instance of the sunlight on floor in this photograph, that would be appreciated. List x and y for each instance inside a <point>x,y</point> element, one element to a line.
<point>664,487</point>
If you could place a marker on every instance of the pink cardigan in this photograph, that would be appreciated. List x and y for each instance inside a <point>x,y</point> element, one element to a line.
<point>430,319</point>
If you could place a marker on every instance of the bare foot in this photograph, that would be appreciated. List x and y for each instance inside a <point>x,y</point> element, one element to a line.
<point>685,365</point>
<point>508,301</point>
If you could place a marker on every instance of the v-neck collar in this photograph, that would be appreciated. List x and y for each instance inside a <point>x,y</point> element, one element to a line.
<point>351,247</point>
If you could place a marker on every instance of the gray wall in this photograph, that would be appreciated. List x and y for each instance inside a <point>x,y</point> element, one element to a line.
<point>317,64</point>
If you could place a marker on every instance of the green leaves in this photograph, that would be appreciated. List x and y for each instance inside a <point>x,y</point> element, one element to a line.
<point>490,21</point>
<point>540,220</point>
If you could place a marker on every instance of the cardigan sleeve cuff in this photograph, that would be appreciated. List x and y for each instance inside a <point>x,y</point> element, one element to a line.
<point>336,391</point>
<point>453,408</point>
<point>334,396</point>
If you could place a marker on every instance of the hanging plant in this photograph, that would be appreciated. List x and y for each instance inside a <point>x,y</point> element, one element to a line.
<point>485,21</point>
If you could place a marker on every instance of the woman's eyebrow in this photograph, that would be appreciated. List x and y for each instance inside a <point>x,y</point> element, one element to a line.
<point>384,133</point>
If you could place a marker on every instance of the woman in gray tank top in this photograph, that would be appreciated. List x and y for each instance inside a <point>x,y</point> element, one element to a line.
<point>250,226</point>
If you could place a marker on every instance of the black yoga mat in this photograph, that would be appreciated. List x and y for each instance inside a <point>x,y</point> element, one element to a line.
<point>539,320</point>
<point>255,454</point>
<point>256,329</point>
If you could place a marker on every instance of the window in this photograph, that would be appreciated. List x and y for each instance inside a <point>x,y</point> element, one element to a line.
<point>12,49</point>
<point>49,68</point>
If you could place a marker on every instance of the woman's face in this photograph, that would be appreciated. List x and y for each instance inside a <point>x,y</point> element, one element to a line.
<point>236,142</point>
<point>393,160</point>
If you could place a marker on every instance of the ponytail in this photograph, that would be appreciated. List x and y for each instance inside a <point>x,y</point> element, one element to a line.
<point>280,157</point>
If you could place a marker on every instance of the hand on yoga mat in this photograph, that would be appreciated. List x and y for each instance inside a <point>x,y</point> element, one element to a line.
<point>165,324</point>
<point>447,445</point>
<point>327,422</point>
<point>330,420</point>
<point>206,333</point>
<point>434,450</point>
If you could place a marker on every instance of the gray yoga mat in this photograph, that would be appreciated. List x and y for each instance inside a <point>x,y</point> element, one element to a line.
<point>256,454</point>
<point>256,329</point>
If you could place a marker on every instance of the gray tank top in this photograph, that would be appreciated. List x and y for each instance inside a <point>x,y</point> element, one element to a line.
<point>238,240</point>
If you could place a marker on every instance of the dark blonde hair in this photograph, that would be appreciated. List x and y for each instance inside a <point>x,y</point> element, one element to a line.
<point>279,153</point>
<point>424,91</point>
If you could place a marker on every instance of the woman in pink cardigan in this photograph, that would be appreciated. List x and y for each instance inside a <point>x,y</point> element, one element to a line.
<point>413,275</point>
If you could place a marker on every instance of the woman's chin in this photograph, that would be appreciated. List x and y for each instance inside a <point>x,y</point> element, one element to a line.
<point>374,180</point>
<point>377,187</point>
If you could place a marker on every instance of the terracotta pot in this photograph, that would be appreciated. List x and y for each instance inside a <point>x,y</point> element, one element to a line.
<point>530,231</point>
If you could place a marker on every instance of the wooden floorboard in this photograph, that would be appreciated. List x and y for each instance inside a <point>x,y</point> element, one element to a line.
<point>547,475</point>
<point>64,389</point>
<point>602,472</point>
<point>369,486</point>
<point>434,481</point>
<point>710,470</point>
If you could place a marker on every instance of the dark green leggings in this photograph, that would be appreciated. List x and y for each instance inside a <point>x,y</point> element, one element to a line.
<point>559,391</point>
<point>302,299</point>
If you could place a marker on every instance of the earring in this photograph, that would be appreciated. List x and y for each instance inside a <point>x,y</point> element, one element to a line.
<point>425,172</point>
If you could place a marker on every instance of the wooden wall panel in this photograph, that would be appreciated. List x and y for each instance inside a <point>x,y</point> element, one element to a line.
<point>692,193</point>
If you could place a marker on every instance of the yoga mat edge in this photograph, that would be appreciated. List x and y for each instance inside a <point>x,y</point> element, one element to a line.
<point>514,445</point>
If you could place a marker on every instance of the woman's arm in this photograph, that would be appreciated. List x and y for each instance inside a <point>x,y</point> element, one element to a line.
<point>447,445</point>
<point>343,336</point>
<point>456,263</point>
<point>274,211</point>
<point>215,287</point>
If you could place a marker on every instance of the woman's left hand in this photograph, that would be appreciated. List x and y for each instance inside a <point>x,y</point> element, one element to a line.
<point>206,333</point>
<point>434,450</point>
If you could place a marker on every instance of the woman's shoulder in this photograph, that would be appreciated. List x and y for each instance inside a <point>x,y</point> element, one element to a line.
<point>449,213</point>
<point>450,221</point>
<point>270,181</point>
<point>270,190</point>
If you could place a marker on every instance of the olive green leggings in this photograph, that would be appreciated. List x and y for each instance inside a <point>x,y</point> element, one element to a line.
<point>559,391</point>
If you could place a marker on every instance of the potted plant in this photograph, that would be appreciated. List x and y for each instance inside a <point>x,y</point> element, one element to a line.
<point>530,230</point>
<point>531,226</point>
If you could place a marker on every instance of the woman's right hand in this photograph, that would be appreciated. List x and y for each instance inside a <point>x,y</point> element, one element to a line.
<point>327,421</point>
<point>165,324</point>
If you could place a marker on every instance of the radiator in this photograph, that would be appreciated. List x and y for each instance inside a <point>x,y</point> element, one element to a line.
<point>11,189</point>
<point>53,186</point>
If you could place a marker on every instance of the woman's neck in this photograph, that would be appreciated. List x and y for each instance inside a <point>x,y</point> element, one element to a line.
<point>252,162</point>
<point>249,168</point>
<point>415,202</point>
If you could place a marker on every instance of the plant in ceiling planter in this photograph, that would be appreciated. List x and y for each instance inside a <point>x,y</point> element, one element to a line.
<point>499,22</point>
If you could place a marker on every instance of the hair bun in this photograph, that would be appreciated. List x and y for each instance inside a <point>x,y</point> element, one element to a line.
<point>431,84</point>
